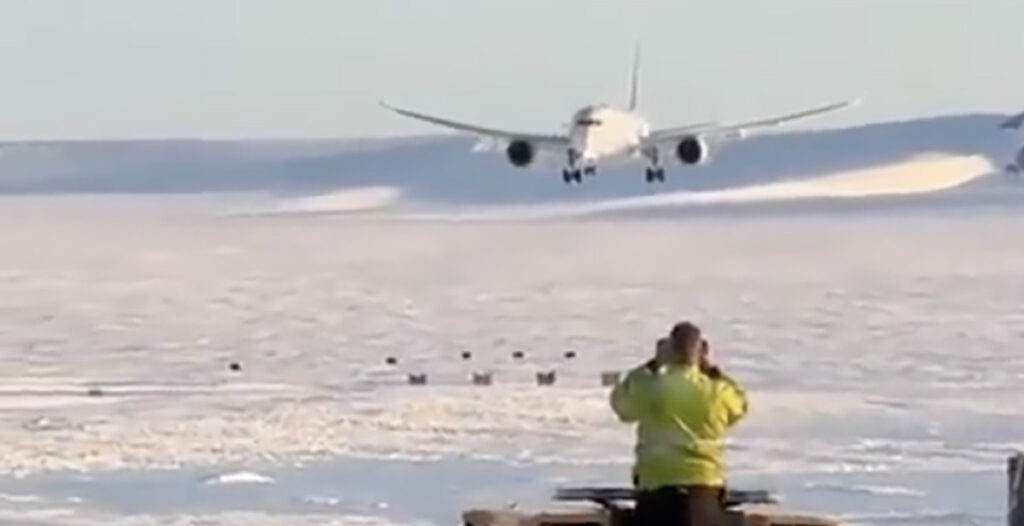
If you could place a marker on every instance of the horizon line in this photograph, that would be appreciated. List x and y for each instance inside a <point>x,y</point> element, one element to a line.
<point>7,142</point>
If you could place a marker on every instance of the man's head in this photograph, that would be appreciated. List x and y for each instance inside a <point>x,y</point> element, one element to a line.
<point>687,343</point>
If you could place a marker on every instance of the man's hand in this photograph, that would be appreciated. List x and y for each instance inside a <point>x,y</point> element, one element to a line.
<point>706,366</point>
<point>705,360</point>
<point>662,354</point>
<point>712,371</point>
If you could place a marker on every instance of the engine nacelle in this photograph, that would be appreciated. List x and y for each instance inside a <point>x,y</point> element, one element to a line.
<point>692,150</point>
<point>520,153</point>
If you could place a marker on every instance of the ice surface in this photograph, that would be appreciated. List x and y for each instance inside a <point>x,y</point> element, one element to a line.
<point>240,477</point>
<point>352,200</point>
<point>72,517</point>
<point>873,347</point>
<point>870,490</point>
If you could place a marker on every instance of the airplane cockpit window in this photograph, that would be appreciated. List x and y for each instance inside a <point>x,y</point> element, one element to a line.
<point>587,121</point>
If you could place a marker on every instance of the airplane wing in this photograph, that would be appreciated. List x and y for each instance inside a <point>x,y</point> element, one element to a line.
<point>741,130</point>
<point>551,141</point>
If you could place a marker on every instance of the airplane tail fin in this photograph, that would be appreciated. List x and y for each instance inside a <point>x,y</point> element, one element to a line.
<point>634,83</point>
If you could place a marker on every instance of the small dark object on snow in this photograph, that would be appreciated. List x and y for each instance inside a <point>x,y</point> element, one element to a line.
<point>610,378</point>
<point>483,378</point>
<point>95,391</point>
<point>466,355</point>
<point>391,360</point>
<point>235,366</point>
<point>547,378</point>
<point>417,379</point>
<point>569,355</point>
<point>518,355</point>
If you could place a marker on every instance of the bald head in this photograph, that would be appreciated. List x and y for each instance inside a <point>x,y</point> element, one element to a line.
<point>686,342</point>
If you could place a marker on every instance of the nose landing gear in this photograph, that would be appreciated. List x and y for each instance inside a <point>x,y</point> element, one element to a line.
<point>573,173</point>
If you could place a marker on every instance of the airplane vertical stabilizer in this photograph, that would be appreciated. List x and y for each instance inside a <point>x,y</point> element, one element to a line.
<point>634,83</point>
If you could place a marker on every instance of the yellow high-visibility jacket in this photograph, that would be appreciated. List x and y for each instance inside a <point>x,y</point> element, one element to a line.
<point>682,416</point>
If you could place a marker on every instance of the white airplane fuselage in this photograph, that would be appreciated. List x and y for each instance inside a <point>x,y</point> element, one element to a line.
<point>602,132</point>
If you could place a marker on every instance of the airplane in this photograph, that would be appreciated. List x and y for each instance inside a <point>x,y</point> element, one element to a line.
<point>601,133</point>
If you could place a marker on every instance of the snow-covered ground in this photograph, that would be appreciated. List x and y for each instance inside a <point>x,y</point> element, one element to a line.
<point>881,351</point>
<point>865,284</point>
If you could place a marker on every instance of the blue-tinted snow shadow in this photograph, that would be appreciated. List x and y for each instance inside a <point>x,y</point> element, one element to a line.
<point>439,490</point>
<point>444,170</point>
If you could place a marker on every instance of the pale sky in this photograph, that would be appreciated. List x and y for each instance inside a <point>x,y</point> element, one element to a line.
<point>304,68</point>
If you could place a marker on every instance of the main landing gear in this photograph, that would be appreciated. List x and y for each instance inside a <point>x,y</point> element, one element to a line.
<point>574,174</point>
<point>654,174</point>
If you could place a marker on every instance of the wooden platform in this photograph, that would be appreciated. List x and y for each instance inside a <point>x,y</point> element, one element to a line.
<point>613,507</point>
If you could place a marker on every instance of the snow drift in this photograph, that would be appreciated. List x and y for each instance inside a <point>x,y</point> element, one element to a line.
<point>913,177</point>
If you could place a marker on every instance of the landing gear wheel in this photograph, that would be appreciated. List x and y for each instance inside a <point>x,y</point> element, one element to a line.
<point>590,170</point>
<point>572,176</point>
<point>654,174</point>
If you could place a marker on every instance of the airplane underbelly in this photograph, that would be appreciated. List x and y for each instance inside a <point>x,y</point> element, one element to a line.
<point>606,145</point>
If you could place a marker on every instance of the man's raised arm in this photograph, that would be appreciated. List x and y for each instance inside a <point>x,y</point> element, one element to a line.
<point>624,399</point>
<point>732,396</point>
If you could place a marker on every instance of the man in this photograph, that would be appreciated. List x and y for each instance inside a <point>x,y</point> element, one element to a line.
<point>683,407</point>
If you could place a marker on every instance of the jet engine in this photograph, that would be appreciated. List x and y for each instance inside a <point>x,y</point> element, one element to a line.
<point>520,153</point>
<point>692,150</point>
